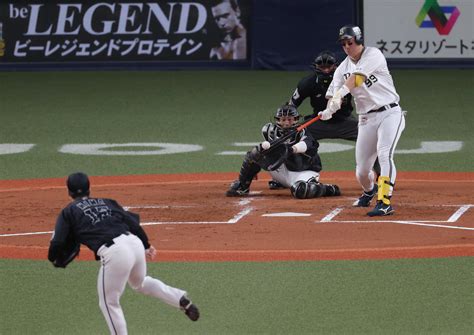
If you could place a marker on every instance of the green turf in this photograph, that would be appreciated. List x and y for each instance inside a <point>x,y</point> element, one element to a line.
<point>215,109</point>
<point>432,296</point>
<point>211,108</point>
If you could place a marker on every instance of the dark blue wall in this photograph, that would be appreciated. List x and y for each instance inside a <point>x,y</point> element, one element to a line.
<point>289,34</point>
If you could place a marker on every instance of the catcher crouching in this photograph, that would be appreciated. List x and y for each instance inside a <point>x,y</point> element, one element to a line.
<point>294,163</point>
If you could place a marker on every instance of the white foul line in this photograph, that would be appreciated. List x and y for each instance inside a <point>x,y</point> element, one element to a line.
<point>154,223</point>
<point>415,223</point>
<point>26,234</point>
<point>428,223</point>
<point>154,207</point>
<point>432,225</point>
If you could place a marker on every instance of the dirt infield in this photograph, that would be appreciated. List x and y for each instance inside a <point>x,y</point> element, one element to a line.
<point>188,218</point>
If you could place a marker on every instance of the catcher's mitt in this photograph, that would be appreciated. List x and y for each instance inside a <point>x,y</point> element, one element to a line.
<point>270,159</point>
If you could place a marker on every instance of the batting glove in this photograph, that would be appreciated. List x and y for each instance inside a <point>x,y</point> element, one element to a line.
<point>334,104</point>
<point>336,101</point>
<point>325,114</point>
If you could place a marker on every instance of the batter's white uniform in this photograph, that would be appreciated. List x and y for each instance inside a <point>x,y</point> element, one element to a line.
<point>381,120</point>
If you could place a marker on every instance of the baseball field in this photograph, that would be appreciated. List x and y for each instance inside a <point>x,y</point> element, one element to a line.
<point>167,144</point>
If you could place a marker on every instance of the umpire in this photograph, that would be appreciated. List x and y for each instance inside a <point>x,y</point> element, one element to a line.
<point>342,125</point>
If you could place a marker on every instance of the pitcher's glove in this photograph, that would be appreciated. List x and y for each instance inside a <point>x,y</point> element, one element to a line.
<point>270,159</point>
<point>63,254</point>
<point>67,256</point>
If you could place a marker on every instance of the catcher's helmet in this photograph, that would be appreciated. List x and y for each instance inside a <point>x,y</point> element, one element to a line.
<point>350,31</point>
<point>78,185</point>
<point>287,111</point>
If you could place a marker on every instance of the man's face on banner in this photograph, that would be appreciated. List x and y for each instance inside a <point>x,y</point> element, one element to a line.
<point>225,16</point>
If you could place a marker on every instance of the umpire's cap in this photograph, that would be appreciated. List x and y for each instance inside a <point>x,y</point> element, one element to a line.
<point>78,185</point>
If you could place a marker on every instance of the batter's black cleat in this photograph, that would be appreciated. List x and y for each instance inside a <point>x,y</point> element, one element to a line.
<point>381,209</point>
<point>190,309</point>
<point>366,197</point>
<point>237,190</point>
<point>274,185</point>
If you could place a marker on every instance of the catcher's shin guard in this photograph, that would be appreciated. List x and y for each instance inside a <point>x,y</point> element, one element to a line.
<point>307,190</point>
<point>331,190</point>
<point>384,185</point>
<point>248,170</point>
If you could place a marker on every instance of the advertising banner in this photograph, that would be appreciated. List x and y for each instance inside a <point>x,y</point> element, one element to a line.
<point>440,29</point>
<point>119,31</point>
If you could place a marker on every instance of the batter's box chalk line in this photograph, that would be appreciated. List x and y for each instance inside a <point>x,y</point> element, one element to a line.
<point>243,204</point>
<point>458,213</point>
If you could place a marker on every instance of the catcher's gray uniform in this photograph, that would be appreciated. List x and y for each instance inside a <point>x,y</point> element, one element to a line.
<point>295,163</point>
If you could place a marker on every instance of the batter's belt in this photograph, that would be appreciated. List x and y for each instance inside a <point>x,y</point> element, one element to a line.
<point>383,108</point>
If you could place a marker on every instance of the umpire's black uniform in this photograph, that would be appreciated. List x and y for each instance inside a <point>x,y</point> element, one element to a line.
<point>342,125</point>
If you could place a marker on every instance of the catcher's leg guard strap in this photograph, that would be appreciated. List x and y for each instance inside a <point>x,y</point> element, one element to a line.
<point>384,189</point>
<point>248,171</point>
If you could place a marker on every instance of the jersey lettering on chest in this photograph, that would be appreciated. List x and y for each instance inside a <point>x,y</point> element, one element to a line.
<point>95,209</point>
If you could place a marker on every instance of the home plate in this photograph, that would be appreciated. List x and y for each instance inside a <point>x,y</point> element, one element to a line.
<point>286,214</point>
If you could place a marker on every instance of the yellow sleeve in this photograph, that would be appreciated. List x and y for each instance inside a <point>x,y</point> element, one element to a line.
<point>359,79</point>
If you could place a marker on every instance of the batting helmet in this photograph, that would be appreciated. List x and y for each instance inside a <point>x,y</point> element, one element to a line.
<point>78,185</point>
<point>287,111</point>
<point>350,31</point>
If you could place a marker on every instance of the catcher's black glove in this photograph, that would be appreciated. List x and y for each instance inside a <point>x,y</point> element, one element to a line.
<point>284,152</point>
<point>270,159</point>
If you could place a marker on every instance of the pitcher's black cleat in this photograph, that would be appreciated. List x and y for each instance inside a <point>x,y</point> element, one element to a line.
<point>190,309</point>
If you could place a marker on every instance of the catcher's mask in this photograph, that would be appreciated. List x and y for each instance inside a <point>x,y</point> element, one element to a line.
<point>287,117</point>
<point>350,31</point>
<point>324,64</point>
<point>78,185</point>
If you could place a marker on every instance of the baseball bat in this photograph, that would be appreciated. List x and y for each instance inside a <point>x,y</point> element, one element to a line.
<point>278,141</point>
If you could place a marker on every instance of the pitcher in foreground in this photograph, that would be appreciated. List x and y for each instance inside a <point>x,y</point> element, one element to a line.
<point>119,242</point>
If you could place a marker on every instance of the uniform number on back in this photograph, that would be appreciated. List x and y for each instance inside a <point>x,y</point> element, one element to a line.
<point>97,214</point>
